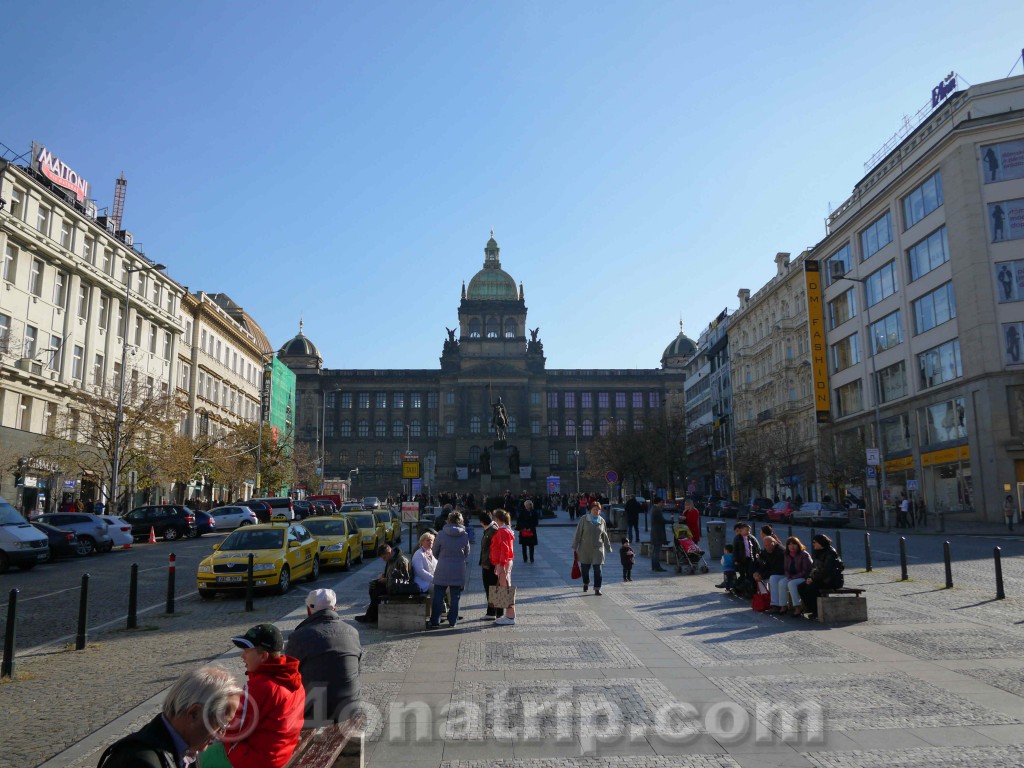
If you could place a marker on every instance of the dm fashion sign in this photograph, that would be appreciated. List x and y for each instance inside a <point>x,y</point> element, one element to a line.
<point>1006,220</point>
<point>1000,162</point>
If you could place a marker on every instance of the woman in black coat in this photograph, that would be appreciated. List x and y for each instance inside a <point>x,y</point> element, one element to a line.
<point>526,524</point>
<point>826,573</point>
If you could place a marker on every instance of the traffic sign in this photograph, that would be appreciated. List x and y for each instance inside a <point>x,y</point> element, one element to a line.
<point>410,469</point>
<point>410,511</point>
<point>872,476</point>
<point>611,476</point>
<point>911,485</point>
<point>874,457</point>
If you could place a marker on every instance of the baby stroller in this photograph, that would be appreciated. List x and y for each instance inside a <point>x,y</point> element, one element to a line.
<point>687,551</point>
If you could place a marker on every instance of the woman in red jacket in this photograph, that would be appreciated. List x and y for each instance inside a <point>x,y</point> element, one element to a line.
<point>503,554</point>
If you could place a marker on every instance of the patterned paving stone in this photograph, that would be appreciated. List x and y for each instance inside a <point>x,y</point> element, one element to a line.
<point>388,655</point>
<point>568,653</point>
<point>1009,679</point>
<point>928,757</point>
<point>955,643</point>
<point>744,646</point>
<point>376,698</point>
<point>555,621</point>
<point>549,709</point>
<point>855,702</point>
<point>639,761</point>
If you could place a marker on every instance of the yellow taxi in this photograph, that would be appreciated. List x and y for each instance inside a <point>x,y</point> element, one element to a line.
<point>371,530</point>
<point>392,525</point>
<point>396,524</point>
<point>339,539</point>
<point>282,553</point>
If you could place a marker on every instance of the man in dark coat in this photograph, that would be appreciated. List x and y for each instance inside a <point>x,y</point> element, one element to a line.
<point>396,571</point>
<point>633,510</point>
<point>658,535</point>
<point>330,656</point>
<point>197,707</point>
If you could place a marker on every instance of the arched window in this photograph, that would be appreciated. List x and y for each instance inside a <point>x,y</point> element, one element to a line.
<point>474,454</point>
<point>396,458</point>
<point>397,428</point>
<point>431,429</point>
<point>570,427</point>
<point>638,425</point>
<point>602,427</point>
<point>360,458</point>
<point>380,428</point>
<point>492,327</point>
<point>553,457</point>
<point>378,458</point>
<point>343,458</point>
<point>510,328</point>
<point>474,328</point>
<point>474,425</point>
<point>620,426</point>
<point>414,428</point>
<point>364,428</point>
<point>588,428</point>
<point>432,458</point>
<point>346,428</point>
<point>552,428</point>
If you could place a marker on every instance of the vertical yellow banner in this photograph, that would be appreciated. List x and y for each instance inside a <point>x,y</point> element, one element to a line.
<point>819,344</point>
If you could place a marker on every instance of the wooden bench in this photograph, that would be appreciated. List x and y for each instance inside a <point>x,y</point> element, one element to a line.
<point>403,612</point>
<point>332,746</point>
<point>842,604</point>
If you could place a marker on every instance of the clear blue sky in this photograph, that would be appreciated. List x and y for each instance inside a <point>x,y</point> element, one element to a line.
<point>640,162</point>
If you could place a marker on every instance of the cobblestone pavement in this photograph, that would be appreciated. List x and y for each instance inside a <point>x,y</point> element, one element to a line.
<point>665,671</point>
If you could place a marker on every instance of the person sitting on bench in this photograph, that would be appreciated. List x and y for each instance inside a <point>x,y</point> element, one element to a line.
<point>826,574</point>
<point>395,579</point>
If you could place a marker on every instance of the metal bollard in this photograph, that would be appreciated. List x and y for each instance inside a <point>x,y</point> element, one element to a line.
<point>903,559</point>
<point>839,544</point>
<point>997,553</point>
<point>248,585</point>
<point>867,552</point>
<point>949,565</point>
<point>133,598</point>
<point>7,670</point>
<point>170,584</point>
<point>83,613</point>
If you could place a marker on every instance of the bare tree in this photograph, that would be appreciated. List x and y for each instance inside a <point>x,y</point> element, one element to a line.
<point>841,457</point>
<point>276,466</point>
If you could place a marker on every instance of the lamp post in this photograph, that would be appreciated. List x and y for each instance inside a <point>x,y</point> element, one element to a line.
<point>115,465</point>
<point>837,274</point>
<point>576,454</point>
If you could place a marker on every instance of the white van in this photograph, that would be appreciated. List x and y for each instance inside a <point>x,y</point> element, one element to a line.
<point>20,543</point>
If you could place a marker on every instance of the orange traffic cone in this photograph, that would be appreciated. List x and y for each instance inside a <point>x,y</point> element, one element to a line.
<point>152,535</point>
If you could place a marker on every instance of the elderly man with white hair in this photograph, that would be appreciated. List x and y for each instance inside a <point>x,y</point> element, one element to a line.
<point>330,658</point>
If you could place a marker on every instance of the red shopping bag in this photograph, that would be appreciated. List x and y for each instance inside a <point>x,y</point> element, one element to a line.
<point>576,571</point>
<point>762,601</point>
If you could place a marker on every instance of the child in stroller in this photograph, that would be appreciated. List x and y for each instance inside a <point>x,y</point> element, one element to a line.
<point>687,551</point>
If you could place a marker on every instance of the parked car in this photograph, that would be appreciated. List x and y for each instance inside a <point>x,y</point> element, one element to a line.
<point>340,544</point>
<point>322,507</point>
<point>92,531</point>
<point>392,524</point>
<point>726,508</point>
<point>120,531</point>
<point>351,506</point>
<point>280,506</point>
<point>282,553</point>
<point>171,521</point>
<point>759,506</point>
<point>261,508</point>
<point>234,516</point>
<point>205,523</point>
<point>62,542</point>
<point>303,509</point>
<point>780,512</point>
<point>708,504</point>
<point>20,543</point>
<point>371,502</point>
<point>371,533</point>
<point>821,513</point>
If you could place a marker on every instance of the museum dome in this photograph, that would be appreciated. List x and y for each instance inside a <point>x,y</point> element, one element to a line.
<point>682,347</point>
<point>492,283</point>
<point>300,346</point>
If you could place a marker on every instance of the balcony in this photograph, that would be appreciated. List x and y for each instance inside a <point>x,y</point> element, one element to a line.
<point>764,416</point>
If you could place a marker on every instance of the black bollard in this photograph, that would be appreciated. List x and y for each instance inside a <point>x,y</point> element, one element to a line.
<point>812,533</point>
<point>7,670</point>
<point>83,613</point>
<point>867,552</point>
<point>903,559</point>
<point>949,565</point>
<point>133,598</point>
<point>997,553</point>
<point>839,544</point>
<point>170,584</point>
<point>248,586</point>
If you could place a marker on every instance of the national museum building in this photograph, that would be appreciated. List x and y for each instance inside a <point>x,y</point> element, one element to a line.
<point>365,419</point>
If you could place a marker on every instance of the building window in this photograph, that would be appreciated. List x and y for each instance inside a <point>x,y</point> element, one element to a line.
<point>54,352</point>
<point>943,422</point>
<point>77,362</point>
<point>586,400</point>
<point>512,425</point>
<point>552,399</point>
<point>28,349</point>
<point>17,207</point>
<point>361,457</point>
<point>552,428</point>
<point>602,427</point>
<point>25,413</point>
<point>83,301</point>
<point>415,400</point>
<point>398,400</point>
<point>492,328</point>
<point>364,399</point>
<point>346,399</point>
<point>553,457</point>
<point>620,399</point>
<point>930,253</point>
<point>449,426</point>
<point>5,333</point>
<point>940,364</point>
<point>380,428</point>
<point>67,235</point>
<point>570,399</point>
<point>108,261</point>
<point>588,428</point>
<point>887,332</point>
<point>474,328</point>
<point>43,220</point>
<point>381,399</point>
<point>35,280</point>
<point>845,352</point>
<point>363,428</point>
<point>449,398</point>
<point>414,428</point>
<point>922,200</point>
<point>431,399</point>
<point>896,433</point>
<point>934,308</point>
<point>510,329</point>
<point>49,418</point>
<point>881,283</point>
<point>842,308</point>
<point>89,250</point>
<point>346,428</point>
<point>535,427</point>
<point>343,458</point>
<point>138,331</point>
<point>474,425</point>
<point>876,236</point>
<point>654,399</point>
<point>638,399</point>
<point>570,428</point>
<point>849,398</point>
<point>602,399</point>
<point>167,345</point>
<point>620,426</point>
<point>842,256</point>
<point>60,289</point>
<point>638,424</point>
<point>431,429</point>
<point>378,458</point>
<point>396,458</point>
<point>10,263</point>
<point>892,382</point>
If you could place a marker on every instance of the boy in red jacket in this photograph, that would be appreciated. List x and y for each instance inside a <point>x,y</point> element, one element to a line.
<point>266,727</point>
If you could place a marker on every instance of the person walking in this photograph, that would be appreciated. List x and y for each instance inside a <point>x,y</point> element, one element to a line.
<point>1009,510</point>
<point>526,524</point>
<point>633,510</point>
<point>626,557</point>
<point>658,535</point>
<point>503,555</point>
<point>451,548</point>
<point>590,543</point>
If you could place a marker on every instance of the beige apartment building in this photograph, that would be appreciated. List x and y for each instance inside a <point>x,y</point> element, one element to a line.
<point>924,305</point>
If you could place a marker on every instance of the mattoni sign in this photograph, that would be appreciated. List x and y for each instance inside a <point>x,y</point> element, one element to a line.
<point>57,171</point>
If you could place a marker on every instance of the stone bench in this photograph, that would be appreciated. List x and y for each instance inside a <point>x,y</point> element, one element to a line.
<point>843,604</point>
<point>406,612</point>
<point>332,746</point>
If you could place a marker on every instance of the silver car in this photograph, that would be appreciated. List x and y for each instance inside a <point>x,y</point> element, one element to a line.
<point>821,513</point>
<point>93,533</point>
<point>120,531</point>
<point>231,517</point>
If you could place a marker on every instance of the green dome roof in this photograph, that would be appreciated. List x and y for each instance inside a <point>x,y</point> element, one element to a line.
<point>492,283</point>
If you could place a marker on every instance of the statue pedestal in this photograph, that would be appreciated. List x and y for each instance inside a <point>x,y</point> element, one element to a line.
<point>500,479</point>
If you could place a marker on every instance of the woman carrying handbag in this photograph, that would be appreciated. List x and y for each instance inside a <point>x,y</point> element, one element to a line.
<point>503,555</point>
<point>590,544</point>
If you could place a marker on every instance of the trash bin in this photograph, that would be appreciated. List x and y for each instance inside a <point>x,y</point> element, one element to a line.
<point>716,538</point>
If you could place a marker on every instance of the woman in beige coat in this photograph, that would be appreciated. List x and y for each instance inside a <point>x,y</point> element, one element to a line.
<point>590,544</point>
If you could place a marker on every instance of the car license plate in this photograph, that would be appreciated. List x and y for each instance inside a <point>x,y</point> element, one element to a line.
<point>41,556</point>
<point>229,579</point>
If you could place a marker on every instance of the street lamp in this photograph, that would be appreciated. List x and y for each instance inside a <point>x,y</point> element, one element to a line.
<point>576,454</point>
<point>837,273</point>
<point>119,417</point>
